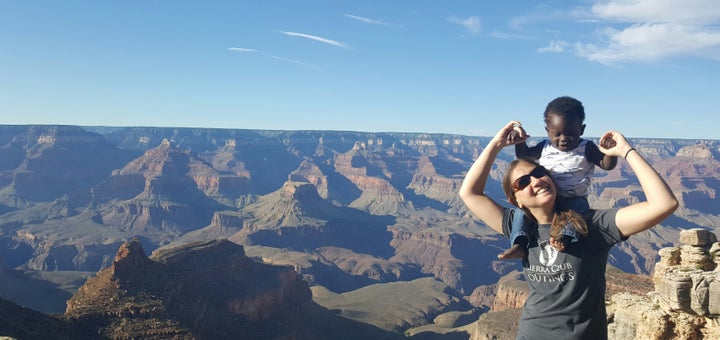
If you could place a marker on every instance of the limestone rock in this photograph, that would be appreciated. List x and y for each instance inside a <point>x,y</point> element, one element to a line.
<point>686,300</point>
<point>636,317</point>
<point>697,237</point>
<point>714,298</point>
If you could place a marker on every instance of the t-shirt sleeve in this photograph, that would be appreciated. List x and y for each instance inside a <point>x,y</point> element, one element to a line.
<point>508,215</point>
<point>593,154</point>
<point>535,151</point>
<point>603,223</point>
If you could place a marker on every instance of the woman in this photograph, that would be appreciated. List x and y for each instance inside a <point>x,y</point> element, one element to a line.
<point>567,299</point>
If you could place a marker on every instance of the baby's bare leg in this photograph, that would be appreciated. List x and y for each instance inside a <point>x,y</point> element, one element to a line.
<point>516,251</point>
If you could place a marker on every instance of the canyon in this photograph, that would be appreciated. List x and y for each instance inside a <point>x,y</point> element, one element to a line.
<point>370,222</point>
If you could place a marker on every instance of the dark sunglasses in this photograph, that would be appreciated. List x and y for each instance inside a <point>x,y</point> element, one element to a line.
<point>524,180</point>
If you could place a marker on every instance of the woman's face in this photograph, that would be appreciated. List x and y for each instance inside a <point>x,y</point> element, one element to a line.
<point>540,192</point>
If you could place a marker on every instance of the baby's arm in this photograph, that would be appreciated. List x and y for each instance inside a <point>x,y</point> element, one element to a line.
<point>524,151</point>
<point>605,162</point>
<point>521,150</point>
<point>609,162</point>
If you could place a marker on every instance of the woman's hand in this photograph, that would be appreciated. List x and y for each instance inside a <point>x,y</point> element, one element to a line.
<point>613,143</point>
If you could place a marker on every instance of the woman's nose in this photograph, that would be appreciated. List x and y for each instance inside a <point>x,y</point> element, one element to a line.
<point>533,181</point>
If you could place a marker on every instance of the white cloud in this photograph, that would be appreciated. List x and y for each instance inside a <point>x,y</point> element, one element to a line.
<point>316,38</point>
<point>648,30</point>
<point>652,42</point>
<point>472,24</point>
<point>695,12</point>
<point>555,46</point>
<point>371,21</point>
<point>240,49</point>
<point>293,61</point>
<point>508,36</point>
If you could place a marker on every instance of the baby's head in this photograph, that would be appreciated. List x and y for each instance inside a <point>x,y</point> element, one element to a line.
<point>564,117</point>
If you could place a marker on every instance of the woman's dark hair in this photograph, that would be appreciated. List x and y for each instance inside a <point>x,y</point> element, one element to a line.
<point>561,219</point>
<point>565,107</point>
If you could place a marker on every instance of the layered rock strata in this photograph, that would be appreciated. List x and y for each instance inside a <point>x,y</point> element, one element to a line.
<point>686,301</point>
<point>203,290</point>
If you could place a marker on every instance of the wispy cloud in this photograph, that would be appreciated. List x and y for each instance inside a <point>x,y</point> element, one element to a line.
<point>648,30</point>
<point>472,25</point>
<point>293,61</point>
<point>366,20</point>
<point>509,36</point>
<point>250,50</point>
<point>372,21</point>
<point>240,49</point>
<point>555,46</point>
<point>316,38</point>
<point>540,14</point>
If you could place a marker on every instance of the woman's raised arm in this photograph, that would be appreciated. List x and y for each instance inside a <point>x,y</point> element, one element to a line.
<point>660,201</point>
<point>472,191</point>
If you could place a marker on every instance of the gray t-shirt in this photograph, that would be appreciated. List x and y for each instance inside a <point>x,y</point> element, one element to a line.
<point>567,298</point>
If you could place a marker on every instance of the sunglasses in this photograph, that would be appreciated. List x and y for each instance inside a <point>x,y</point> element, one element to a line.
<point>523,181</point>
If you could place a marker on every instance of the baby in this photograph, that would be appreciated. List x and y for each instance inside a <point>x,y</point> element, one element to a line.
<point>570,161</point>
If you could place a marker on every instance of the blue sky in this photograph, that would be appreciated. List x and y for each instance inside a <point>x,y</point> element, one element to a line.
<point>648,68</point>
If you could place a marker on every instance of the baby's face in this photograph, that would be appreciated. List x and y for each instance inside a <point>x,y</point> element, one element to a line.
<point>564,134</point>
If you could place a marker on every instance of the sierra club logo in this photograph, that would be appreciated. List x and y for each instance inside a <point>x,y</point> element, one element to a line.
<point>548,254</point>
<point>548,270</point>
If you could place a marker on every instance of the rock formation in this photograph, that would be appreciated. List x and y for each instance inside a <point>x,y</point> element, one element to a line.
<point>205,290</point>
<point>686,301</point>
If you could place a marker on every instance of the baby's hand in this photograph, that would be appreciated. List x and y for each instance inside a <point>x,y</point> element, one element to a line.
<point>607,142</point>
<point>613,143</point>
<point>557,243</point>
<point>517,135</point>
<point>513,136</point>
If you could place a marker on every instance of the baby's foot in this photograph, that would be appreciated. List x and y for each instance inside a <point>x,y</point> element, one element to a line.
<point>514,252</point>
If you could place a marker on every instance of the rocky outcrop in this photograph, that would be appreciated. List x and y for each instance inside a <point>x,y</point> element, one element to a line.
<point>460,261</point>
<point>378,195</point>
<point>174,277</point>
<point>373,268</point>
<point>207,290</point>
<point>497,326</point>
<point>685,303</point>
<point>696,151</point>
<point>309,172</point>
<point>432,251</point>
<point>17,322</point>
<point>204,290</point>
<point>296,204</point>
<point>427,182</point>
<point>511,294</point>
<point>57,160</point>
<point>167,188</point>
